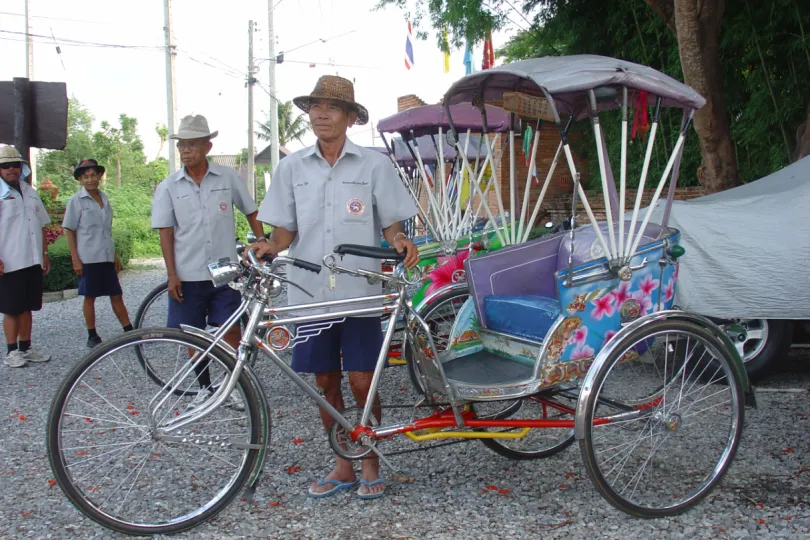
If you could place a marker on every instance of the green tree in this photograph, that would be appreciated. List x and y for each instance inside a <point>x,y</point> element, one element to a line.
<point>163,133</point>
<point>290,127</point>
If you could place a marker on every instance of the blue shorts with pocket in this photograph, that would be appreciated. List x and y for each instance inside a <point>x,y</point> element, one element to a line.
<point>203,303</point>
<point>359,339</point>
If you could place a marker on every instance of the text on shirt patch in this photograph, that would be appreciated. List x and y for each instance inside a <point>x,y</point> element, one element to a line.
<point>355,207</point>
<point>355,182</point>
<point>301,184</point>
<point>223,206</point>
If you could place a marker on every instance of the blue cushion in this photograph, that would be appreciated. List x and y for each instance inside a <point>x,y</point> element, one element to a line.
<point>526,316</point>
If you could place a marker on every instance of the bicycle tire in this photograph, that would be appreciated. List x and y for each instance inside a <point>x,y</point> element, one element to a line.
<point>63,477</point>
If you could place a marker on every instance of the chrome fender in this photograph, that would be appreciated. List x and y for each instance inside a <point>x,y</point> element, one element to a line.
<point>427,300</point>
<point>263,406</point>
<point>678,315</point>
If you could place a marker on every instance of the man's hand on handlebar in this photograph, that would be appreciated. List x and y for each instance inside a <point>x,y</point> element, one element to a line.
<point>406,245</point>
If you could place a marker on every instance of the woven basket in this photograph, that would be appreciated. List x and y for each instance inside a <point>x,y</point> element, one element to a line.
<point>527,106</point>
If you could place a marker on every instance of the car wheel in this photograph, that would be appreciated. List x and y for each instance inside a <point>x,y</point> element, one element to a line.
<point>763,343</point>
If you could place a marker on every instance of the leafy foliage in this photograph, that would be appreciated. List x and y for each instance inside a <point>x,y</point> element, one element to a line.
<point>290,126</point>
<point>765,93</point>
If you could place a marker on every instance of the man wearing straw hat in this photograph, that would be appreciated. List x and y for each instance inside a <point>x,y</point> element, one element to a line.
<point>193,210</point>
<point>331,193</point>
<point>23,258</point>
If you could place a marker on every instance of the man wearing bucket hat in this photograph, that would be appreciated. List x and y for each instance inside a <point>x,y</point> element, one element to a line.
<point>193,210</point>
<point>331,193</point>
<point>88,222</point>
<point>23,258</point>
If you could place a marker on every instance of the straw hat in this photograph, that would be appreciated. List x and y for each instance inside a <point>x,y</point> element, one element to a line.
<point>9,154</point>
<point>338,89</point>
<point>194,127</point>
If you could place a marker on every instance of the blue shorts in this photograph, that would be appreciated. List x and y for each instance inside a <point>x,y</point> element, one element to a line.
<point>99,279</point>
<point>203,303</point>
<point>359,339</point>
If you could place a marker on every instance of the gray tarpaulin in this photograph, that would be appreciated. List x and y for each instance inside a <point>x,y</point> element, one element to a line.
<point>747,248</point>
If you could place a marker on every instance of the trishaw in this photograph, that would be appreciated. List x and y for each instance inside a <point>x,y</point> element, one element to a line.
<point>567,337</point>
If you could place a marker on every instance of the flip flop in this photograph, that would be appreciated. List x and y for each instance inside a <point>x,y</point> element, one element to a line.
<point>368,496</point>
<point>339,486</point>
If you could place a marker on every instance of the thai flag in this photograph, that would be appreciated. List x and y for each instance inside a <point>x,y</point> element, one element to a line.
<point>409,48</point>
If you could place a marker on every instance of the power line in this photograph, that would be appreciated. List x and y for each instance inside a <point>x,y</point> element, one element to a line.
<point>266,91</point>
<point>519,13</point>
<point>277,3</point>
<point>321,40</point>
<point>230,71</point>
<point>79,43</point>
<point>61,19</point>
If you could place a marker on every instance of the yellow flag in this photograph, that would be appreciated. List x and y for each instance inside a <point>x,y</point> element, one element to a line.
<point>446,54</point>
<point>465,188</point>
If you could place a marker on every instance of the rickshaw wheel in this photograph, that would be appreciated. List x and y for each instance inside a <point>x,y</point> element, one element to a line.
<point>666,395</point>
<point>440,316</point>
<point>538,443</point>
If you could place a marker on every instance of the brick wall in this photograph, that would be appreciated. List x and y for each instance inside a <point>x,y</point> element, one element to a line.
<point>409,101</point>
<point>560,207</point>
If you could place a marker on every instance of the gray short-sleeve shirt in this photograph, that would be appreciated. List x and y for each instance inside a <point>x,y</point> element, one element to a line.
<point>202,217</point>
<point>93,226</point>
<point>22,217</point>
<point>348,203</point>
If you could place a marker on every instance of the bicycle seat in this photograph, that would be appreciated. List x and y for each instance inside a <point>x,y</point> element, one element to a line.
<point>370,252</point>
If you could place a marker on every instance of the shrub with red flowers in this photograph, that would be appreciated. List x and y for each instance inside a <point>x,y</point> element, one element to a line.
<point>52,232</point>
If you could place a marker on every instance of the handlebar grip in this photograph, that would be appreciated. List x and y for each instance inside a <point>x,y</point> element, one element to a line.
<point>312,267</point>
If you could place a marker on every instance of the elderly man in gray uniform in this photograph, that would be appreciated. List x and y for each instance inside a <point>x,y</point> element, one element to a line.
<point>193,210</point>
<point>331,193</point>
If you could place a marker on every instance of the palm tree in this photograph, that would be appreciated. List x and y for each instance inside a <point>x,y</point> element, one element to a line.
<point>289,128</point>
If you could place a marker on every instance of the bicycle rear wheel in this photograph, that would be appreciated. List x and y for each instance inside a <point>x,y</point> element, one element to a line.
<point>114,465</point>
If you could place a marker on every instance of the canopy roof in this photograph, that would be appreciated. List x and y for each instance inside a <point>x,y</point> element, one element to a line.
<point>427,120</point>
<point>566,78</point>
<point>427,149</point>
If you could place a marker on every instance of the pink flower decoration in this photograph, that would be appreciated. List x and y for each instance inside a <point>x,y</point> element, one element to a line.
<point>648,285</point>
<point>644,300</point>
<point>582,352</point>
<point>603,307</point>
<point>448,268</point>
<point>580,335</point>
<point>622,293</point>
<point>608,336</point>
<point>669,290</point>
<point>677,270</point>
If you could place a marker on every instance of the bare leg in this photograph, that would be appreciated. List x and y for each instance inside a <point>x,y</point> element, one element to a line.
<point>360,383</point>
<point>120,310</point>
<point>11,327</point>
<point>330,384</point>
<point>89,311</point>
<point>25,321</point>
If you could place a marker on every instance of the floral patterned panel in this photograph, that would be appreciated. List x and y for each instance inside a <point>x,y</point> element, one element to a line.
<point>595,311</point>
<point>465,336</point>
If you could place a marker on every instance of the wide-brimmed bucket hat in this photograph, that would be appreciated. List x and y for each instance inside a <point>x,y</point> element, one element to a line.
<point>9,154</point>
<point>85,164</point>
<point>194,127</point>
<point>338,89</point>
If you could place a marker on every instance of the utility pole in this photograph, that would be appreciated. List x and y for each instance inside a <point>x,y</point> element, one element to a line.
<point>29,74</point>
<point>271,39</point>
<point>171,100</point>
<point>251,172</point>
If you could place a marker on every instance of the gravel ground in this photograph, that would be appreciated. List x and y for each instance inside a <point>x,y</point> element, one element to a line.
<point>765,493</point>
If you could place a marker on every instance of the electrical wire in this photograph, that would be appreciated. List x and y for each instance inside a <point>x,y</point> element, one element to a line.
<point>62,19</point>
<point>79,43</point>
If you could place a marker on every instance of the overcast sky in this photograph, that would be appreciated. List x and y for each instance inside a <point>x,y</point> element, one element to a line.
<point>366,46</point>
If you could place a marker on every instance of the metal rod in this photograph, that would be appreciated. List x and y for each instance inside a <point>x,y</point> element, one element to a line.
<point>644,170</point>
<point>512,185</point>
<point>382,360</point>
<point>623,171</point>
<point>528,188</point>
<point>597,131</point>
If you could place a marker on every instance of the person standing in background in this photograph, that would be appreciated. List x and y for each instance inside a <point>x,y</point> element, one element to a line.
<point>88,222</point>
<point>23,258</point>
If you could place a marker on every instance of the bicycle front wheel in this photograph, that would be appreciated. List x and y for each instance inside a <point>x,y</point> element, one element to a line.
<point>118,468</point>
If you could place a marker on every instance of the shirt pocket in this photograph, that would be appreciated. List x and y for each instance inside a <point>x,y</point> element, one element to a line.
<point>92,216</point>
<point>186,209</point>
<point>220,203</point>
<point>356,205</point>
<point>308,202</point>
<point>10,208</point>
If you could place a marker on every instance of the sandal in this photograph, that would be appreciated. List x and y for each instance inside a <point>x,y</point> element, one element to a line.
<point>339,486</point>
<point>367,496</point>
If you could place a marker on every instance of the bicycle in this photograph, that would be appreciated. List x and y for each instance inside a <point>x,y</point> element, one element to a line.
<point>108,479</point>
